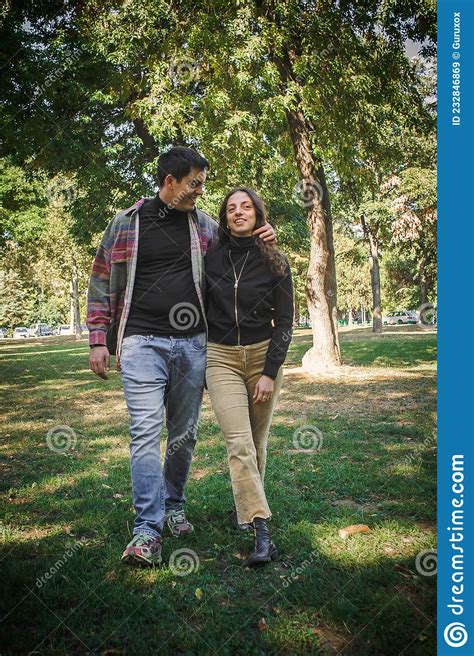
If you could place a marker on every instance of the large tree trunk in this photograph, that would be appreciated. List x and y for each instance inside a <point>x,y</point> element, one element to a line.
<point>75,318</point>
<point>330,278</point>
<point>321,289</point>
<point>423,285</point>
<point>374,277</point>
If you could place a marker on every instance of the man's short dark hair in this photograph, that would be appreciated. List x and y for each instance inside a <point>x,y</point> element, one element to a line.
<point>178,162</point>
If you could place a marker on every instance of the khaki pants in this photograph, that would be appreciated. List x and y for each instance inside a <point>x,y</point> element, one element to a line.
<point>231,375</point>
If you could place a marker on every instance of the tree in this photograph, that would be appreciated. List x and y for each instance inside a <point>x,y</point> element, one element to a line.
<point>62,266</point>
<point>352,270</point>
<point>17,300</point>
<point>303,85</point>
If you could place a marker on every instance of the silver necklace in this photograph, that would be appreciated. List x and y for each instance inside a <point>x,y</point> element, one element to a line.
<point>237,278</point>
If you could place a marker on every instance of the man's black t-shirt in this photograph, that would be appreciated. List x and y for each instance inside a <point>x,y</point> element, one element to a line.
<point>164,300</point>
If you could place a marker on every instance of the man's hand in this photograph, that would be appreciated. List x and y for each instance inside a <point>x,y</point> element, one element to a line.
<point>263,389</point>
<point>265,232</point>
<point>99,361</point>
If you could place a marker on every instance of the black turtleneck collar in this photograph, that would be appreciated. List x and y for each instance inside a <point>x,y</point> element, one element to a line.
<point>239,244</point>
<point>155,205</point>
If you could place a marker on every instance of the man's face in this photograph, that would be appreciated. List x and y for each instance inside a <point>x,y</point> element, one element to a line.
<point>185,192</point>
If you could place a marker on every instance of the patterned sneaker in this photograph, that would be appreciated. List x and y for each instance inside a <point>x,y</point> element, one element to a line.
<point>178,524</point>
<point>143,550</point>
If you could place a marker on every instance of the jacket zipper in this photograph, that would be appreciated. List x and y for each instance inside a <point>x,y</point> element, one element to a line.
<point>236,313</point>
<point>236,285</point>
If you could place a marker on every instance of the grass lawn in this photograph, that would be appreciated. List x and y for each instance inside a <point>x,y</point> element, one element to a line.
<point>369,458</point>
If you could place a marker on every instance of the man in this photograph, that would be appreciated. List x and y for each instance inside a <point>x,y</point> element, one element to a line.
<point>146,305</point>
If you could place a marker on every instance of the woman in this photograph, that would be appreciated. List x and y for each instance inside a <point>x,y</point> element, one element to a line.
<point>250,315</point>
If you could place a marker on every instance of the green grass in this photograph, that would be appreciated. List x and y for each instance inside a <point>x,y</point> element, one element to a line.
<point>325,595</point>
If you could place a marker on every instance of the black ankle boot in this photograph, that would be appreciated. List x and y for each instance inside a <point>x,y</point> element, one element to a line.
<point>264,550</point>
<point>235,523</point>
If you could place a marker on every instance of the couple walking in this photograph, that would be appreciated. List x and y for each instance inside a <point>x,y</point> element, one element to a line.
<point>184,301</point>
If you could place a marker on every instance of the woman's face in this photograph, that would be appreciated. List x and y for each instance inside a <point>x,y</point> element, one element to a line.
<point>240,214</point>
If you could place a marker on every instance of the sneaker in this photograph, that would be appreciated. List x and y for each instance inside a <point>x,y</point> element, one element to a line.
<point>143,550</point>
<point>178,524</point>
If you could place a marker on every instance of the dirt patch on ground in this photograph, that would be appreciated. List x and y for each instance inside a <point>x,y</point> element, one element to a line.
<point>198,474</point>
<point>358,391</point>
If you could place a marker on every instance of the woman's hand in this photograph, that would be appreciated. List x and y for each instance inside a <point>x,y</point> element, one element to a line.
<point>265,232</point>
<point>263,389</point>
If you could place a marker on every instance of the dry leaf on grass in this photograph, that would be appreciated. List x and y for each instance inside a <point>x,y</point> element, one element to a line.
<point>352,530</point>
<point>405,572</point>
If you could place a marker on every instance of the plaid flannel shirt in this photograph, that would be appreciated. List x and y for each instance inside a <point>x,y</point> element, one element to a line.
<point>113,273</point>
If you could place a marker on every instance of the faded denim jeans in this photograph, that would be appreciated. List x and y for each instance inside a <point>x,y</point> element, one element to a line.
<point>158,373</point>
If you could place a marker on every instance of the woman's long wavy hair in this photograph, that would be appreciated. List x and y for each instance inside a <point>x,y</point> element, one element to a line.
<point>275,259</point>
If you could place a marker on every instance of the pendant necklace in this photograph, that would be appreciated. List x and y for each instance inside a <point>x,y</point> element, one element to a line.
<point>237,278</point>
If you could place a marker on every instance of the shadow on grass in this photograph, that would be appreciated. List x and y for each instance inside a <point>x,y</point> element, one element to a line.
<point>324,596</point>
<point>312,601</point>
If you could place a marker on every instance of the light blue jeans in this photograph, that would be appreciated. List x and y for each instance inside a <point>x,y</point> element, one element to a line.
<point>157,373</point>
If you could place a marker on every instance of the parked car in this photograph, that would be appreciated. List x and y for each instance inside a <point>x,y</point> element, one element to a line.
<point>65,330</point>
<point>400,317</point>
<point>20,332</point>
<point>2,333</point>
<point>40,330</point>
